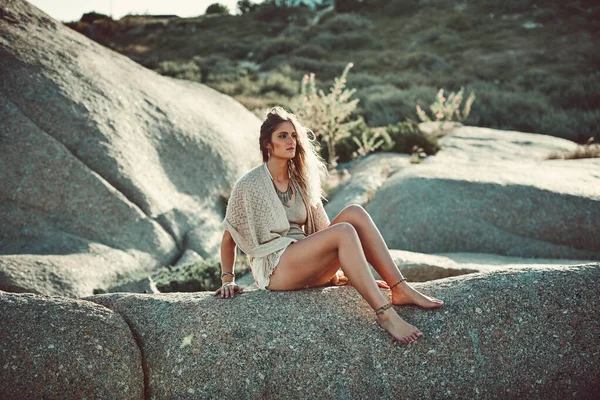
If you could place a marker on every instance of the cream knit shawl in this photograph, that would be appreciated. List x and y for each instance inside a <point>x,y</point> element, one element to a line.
<point>257,220</point>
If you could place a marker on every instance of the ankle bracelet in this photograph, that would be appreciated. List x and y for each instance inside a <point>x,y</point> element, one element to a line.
<point>397,283</point>
<point>381,309</point>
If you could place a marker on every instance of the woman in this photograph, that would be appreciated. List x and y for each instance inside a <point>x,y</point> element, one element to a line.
<point>275,215</point>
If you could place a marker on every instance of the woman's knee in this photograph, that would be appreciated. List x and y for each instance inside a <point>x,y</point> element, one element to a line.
<point>345,230</point>
<point>355,212</point>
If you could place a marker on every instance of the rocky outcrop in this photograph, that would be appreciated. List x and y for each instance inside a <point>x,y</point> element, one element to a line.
<point>474,144</point>
<point>108,169</point>
<point>58,348</point>
<point>486,191</point>
<point>529,332</point>
<point>418,267</point>
<point>524,333</point>
<point>507,208</point>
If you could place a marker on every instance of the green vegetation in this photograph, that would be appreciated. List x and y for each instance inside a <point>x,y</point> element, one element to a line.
<point>407,135</point>
<point>217,8</point>
<point>447,109</point>
<point>534,68</point>
<point>246,6</point>
<point>332,112</point>
<point>195,277</point>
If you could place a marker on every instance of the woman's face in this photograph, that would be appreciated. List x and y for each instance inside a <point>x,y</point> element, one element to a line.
<point>283,141</point>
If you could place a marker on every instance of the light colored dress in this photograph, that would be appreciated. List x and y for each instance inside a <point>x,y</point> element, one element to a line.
<point>297,215</point>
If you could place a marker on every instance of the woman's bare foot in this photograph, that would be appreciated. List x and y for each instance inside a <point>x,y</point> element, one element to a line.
<point>405,294</point>
<point>397,327</point>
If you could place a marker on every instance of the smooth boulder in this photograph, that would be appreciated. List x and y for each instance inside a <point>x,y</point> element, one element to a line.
<point>106,166</point>
<point>508,208</point>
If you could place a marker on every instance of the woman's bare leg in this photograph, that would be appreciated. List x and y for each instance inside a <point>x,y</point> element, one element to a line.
<point>305,260</point>
<point>379,257</point>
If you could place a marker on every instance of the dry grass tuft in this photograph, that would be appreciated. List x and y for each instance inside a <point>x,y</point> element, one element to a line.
<point>589,150</point>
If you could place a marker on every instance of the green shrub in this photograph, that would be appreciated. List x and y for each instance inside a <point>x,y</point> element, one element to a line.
<point>269,11</point>
<point>246,6</point>
<point>383,105</point>
<point>243,86</point>
<point>273,47</point>
<point>576,125</point>
<point>438,36</point>
<point>238,49</point>
<point>217,8</point>
<point>279,83</point>
<point>406,135</point>
<point>447,108</point>
<point>362,80</point>
<point>216,68</point>
<point>93,16</point>
<point>180,70</point>
<point>322,68</point>
<point>581,92</point>
<point>345,41</point>
<point>501,109</point>
<point>425,62</point>
<point>462,22</point>
<point>196,277</point>
<point>347,22</point>
<point>342,6</point>
<point>311,51</point>
<point>330,115</point>
<point>372,140</point>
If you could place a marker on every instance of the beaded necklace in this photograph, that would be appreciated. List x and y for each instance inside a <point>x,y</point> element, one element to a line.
<point>286,196</point>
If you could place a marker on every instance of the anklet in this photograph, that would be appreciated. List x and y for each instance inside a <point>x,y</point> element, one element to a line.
<point>397,283</point>
<point>381,309</point>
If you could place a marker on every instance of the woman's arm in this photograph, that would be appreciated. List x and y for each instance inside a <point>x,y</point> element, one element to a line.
<point>227,255</point>
<point>228,288</point>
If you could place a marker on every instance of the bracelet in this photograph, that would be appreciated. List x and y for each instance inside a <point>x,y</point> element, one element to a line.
<point>227,274</point>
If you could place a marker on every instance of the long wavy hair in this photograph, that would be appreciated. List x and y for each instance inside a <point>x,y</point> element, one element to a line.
<point>307,167</point>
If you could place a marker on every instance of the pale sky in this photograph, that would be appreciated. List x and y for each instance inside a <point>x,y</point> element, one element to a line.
<point>71,10</point>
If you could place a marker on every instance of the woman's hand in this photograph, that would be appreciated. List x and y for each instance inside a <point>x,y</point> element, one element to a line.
<point>382,284</point>
<point>228,290</point>
<point>339,279</point>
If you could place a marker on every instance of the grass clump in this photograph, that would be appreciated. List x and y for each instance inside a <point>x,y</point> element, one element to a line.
<point>588,150</point>
<point>196,277</point>
<point>347,22</point>
<point>406,136</point>
<point>274,47</point>
<point>181,70</point>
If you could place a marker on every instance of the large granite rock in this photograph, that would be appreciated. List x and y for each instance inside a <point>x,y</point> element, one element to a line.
<point>486,191</point>
<point>106,167</point>
<point>419,267</point>
<point>58,348</point>
<point>470,143</point>
<point>523,333</point>
<point>508,208</point>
